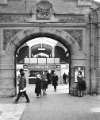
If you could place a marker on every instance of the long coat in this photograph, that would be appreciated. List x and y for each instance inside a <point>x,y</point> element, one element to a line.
<point>38,86</point>
<point>81,83</point>
<point>22,83</point>
<point>44,83</point>
<point>55,80</point>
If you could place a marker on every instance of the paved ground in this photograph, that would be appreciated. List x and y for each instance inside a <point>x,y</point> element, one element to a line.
<point>54,106</point>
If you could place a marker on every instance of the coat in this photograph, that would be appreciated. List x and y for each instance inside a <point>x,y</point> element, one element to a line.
<point>81,84</point>
<point>38,86</point>
<point>55,80</point>
<point>22,83</point>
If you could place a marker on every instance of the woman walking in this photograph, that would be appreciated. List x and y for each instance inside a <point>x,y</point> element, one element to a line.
<point>81,84</point>
<point>38,85</point>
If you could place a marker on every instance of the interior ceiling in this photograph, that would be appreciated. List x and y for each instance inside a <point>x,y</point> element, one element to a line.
<point>35,50</point>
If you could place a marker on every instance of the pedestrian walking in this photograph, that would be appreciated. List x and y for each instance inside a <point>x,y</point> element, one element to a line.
<point>22,87</point>
<point>38,85</point>
<point>55,82</point>
<point>44,83</point>
<point>64,78</point>
<point>48,78</point>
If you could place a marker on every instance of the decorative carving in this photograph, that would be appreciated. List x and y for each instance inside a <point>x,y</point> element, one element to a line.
<point>72,19</point>
<point>13,18</point>
<point>84,2</point>
<point>77,35</point>
<point>61,18</point>
<point>44,10</point>
<point>8,34</point>
<point>93,17</point>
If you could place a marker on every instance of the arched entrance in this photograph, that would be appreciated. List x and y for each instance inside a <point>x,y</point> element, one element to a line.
<point>45,55</point>
<point>63,37</point>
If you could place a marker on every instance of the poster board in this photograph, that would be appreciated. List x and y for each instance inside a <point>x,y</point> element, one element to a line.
<point>76,70</point>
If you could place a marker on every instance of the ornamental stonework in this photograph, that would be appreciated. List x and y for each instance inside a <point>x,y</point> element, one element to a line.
<point>72,19</point>
<point>44,10</point>
<point>12,18</point>
<point>7,35</point>
<point>77,35</point>
<point>60,18</point>
<point>93,17</point>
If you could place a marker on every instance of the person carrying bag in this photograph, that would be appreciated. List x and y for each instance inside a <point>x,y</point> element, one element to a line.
<point>22,88</point>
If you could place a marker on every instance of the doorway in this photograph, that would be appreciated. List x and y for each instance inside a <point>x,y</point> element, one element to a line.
<point>44,54</point>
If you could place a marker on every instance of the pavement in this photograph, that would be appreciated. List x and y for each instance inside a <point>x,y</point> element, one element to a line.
<point>57,105</point>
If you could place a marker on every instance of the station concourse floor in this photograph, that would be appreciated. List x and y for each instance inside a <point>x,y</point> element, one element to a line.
<point>57,105</point>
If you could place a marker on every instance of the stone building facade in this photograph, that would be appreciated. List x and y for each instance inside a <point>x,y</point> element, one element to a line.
<point>74,23</point>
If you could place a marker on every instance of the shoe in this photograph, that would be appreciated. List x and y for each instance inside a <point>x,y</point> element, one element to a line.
<point>15,102</point>
<point>27,101</point>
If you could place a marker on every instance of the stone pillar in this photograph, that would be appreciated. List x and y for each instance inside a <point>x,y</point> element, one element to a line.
<point>30,52</point>
<point>98,62</point>
<point>92,87</point>
<point>7,78</point>
<point>96,34</point>
<point>7,84</point>
<point>53,52</point>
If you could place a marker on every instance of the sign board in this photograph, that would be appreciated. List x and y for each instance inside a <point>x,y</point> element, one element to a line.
<point>50,60</point>
<point>57,60</point>
<point>42,67</point>
<point>41,60</point>
<point>26,60</point>
<point>30,60</point>
<point>76,71</point>
<point>33,60</point>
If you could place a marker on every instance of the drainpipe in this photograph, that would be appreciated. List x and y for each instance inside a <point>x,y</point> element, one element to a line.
<point>90,82</point>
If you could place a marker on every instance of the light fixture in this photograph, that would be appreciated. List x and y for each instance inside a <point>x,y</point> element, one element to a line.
<point>41,48</point>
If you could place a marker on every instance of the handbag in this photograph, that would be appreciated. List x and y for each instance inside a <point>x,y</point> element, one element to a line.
<point>23,90</point>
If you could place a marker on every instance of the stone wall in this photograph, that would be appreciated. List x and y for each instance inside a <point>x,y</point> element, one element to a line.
<point>70,25</point>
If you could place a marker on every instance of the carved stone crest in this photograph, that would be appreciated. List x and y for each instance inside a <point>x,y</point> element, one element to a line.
<point>43,10</point>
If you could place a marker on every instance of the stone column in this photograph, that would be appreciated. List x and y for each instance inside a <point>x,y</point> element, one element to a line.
<point>30,52</point>
<point>53,52</point>
<point>7,69</point>
<point>7,84</point>
<point>98,62</point>
<point>96,21</point>
<point>92,58</point>
<point>7,78</point>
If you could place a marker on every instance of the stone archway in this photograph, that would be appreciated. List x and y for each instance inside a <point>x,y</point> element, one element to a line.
<point>25,35</point>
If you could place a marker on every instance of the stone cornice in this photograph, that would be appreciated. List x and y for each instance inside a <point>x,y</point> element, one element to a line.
<point>25,17</point>
<point>43,24</point>
<point>28,13</point>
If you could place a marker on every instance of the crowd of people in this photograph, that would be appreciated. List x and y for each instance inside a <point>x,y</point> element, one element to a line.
<point>42,81</point>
